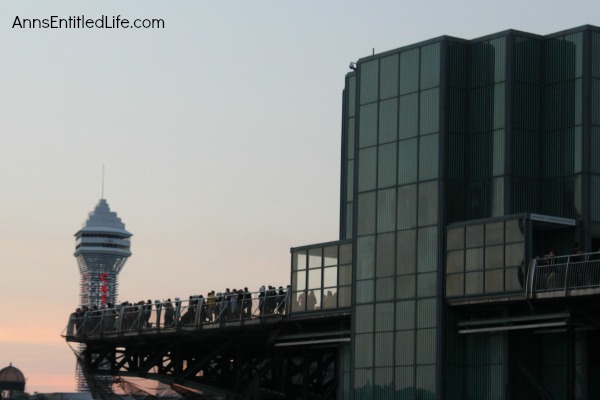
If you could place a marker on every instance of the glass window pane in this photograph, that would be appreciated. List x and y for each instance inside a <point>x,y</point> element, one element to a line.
<point>455,261</point>
<point>387,165</point>
<point>345,275</point>
<point>406,252</point>
<point>350,180</point>
<point>352,96</point>
<point>474,283</point>
<point>367,173</point>
<point>425,377</point>
<point>426,313</point>
<point>494,257</point>
<point>330,256</point>
<point>514,279</point>
<point>384,317</point>
<point>313,301</point>
<point>314,258</point>
<point>369,81</point>
<point>329,298</point>
<point>330,276</point>
<point>405,286</point>
<point>405,315</point>
<point>407,204</point>
<point>405,381</point>
<point>344,294</point>
<point>386,210</point>
<point>455,238</point>
<point>384,357</point>
<point>430,66</point>
<point>363,350</point>
<point>405,347</point>
<point>474,235</point>
<point>388,121</point>
<point>366,213</point>
<point>365,253</point>
<point>454,285</point>
<point>429,112</point>
<point>407,161</point>
<point>409,71</point>
<point>494,281</point>
<point>367,131</point>
<point>349,220</point>
<point>408,116</point>
<point>364,318</point>
<point>427,284</point>
<point>384,377</point>
<point>427,249</point>
<point>428,203</point>
<point>299,281</point>
<point>346,254</point>
<point>474,259</point>
<point>386,246</point>
<point>299,304</point>
<point>388,85</point>
<point>384,289</point>
<point>299,260</point>
<point>494,233</point>
<point>365,291</point>
<point>363,383</point>
<point>314,278</point>
<point>428,157</point>
<point>513,231</point>
<point>514,254</point>
<point>499,106</point>
<point>426,347</point>
<point>350,141</point>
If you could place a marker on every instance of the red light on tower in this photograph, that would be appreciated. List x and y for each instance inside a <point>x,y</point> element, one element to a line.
<point>104,278</point>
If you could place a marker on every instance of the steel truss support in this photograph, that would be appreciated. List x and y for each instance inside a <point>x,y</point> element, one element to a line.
<point>239,366</point>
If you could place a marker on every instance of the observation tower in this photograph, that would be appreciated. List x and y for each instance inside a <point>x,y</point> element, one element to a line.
<point>102,247</point>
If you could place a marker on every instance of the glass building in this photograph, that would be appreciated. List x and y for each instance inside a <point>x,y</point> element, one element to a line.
<point>462,160</point>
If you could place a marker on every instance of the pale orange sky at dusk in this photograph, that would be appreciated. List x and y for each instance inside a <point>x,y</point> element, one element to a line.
<point>220,135</point>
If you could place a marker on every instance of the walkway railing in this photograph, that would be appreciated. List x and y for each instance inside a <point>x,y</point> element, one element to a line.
<point>169,316</point>
<point>564,273</point>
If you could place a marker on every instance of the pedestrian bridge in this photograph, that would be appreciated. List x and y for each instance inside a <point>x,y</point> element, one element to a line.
<point>249,347</point>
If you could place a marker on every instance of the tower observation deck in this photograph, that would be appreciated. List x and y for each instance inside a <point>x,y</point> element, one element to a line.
<point>102,248</point>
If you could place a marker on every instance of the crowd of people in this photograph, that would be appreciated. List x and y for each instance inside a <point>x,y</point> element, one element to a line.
<point>229,305</point>
<point>551,273</point>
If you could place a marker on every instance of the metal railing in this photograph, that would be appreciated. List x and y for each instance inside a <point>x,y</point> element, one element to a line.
<point>564,273</point>
<point>168,316</point>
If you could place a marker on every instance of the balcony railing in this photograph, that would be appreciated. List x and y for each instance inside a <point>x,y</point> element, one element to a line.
<point>563,274</point>
<point>194,313</point>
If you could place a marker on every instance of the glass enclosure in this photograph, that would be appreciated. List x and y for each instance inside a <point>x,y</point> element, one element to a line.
<point>321,277</point>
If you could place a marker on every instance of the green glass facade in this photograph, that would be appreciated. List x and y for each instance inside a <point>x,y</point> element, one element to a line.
<point>447,147</point>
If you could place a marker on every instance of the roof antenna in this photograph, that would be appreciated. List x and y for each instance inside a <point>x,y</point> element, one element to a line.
<point>102,182</point>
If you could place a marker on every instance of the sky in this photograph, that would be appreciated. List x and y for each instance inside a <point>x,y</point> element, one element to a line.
<point>219,136</point>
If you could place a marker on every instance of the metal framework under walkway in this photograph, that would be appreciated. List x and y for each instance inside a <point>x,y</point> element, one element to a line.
<point>270,358</point>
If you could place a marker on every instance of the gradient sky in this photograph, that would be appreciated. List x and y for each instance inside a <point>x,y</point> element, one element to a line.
<point>220,135</point>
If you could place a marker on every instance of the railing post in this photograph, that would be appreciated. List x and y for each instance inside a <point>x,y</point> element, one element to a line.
<point>102,312</point>
<point>177,312</point>
<point>199,306</point>
<point>288,296</point>
<point>120,319</point>
<point>158,307</point>
<point>567,274</point>
<point>530,284</point>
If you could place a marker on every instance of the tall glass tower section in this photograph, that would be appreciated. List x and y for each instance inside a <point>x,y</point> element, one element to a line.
<point>461,159</point>
<point>102,247</point>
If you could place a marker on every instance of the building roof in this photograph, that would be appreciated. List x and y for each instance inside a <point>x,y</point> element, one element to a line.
<point>11,378</point>
<point>103,220</point>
